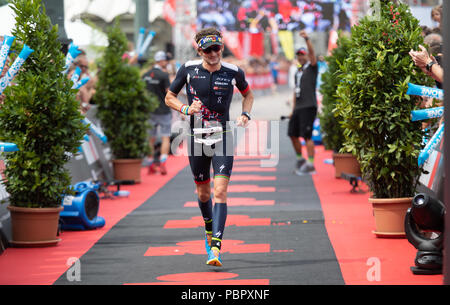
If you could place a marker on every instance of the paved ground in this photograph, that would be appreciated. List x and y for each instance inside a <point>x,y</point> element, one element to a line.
<point>275,234</point>
<point>268,105</point>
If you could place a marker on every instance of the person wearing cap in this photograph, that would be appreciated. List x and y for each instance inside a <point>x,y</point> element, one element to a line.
<point>209,87</point>
<point>157,82</point>
<point>305,107</point>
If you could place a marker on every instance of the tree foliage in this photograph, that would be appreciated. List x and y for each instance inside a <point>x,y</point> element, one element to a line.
<point>332,132</point>
<point>40,115</point>
<point>124,106</point>
<point>374,106</point>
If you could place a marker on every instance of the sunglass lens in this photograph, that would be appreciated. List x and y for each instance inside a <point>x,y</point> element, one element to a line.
<point>214,48</point>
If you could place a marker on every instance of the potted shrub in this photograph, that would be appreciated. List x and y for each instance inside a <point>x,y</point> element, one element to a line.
<point>332,132</point>
<point>124,108</point>
<point>376,111</point>
<point>40,115</point>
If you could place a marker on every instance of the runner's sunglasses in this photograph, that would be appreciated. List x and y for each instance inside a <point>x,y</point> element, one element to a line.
<point>215,48</point>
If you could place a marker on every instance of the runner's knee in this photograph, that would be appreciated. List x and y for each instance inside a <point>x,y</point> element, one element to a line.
<point>204,192</point>
<point>220,193</point>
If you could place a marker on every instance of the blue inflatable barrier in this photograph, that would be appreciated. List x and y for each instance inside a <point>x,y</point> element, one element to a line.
<point>81,83</point>
<point>431,145</point>
<point>15,68</point>
<point>80,211</point>
<point>8,147</point>
<point>76,75</point>
<point>73,53</point>
<point>425,91</point>
<point>140,40</point>
<point>95,130</point>
<point>425,114</point>
<point>4,51</point>
<point>146,43</point>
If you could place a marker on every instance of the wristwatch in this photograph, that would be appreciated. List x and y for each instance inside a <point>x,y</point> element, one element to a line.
<point>430,65</point>
<point>247,115</point>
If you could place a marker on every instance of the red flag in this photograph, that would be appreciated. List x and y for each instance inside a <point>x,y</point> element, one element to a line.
<point>169,11</point>
<point>233,43</point>
<point>252,43</point>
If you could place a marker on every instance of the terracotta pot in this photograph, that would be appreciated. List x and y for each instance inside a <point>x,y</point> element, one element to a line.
<point>34,227</point>
<point>346,163</point>
<point>390,216</point>
<point>127,169</point>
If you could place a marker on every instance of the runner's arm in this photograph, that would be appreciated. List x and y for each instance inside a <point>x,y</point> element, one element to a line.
<point>247,104</point>
<point>173,102</point>
<point>175,87</point>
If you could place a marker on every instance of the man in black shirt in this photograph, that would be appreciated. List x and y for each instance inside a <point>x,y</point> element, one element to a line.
<point>157,81</point>
<point>305,107</point>
<point>209,87</point>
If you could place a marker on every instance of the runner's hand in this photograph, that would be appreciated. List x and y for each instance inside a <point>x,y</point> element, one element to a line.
<point>242,121</point>
<point>195,107</point>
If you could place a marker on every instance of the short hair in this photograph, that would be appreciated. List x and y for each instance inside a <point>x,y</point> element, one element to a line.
<point>431,38</point>
<point>425,30</point>
<point>435,48</point>
<point>437,9</point>
<point>436,30</point>
<point>207,32</point>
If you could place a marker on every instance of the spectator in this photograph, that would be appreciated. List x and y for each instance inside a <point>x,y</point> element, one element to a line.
<point>86,92</point>
<point>305,107</point>
<point>436,15</point>
<point>157,80</point>
<point>425,30</point>
<point>428,64</point>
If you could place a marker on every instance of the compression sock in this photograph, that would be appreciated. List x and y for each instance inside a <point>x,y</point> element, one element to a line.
<point>206,209</point>
<point>219,219</point>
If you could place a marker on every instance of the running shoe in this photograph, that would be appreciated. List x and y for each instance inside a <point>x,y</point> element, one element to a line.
<point>207,246</point>
<point>306,169</point>
<point>300,163</point>
<point>214,260</point>
<point>162,169</point>
<point>152,169</point>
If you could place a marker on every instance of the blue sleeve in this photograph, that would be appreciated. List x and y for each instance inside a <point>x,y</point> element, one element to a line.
<point>241,82</point>
<point>179,81</point>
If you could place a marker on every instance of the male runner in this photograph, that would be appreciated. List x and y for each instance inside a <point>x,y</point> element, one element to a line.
<point>305,107</point>
<point>209,87</point>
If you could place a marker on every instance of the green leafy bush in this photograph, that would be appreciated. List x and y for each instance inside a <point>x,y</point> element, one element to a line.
<point>40,115</point>
<point>124,106</point>
<point>373,104</point>
<point>332,132</point>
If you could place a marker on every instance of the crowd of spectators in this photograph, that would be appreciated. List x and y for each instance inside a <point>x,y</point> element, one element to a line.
<point>429,57</point>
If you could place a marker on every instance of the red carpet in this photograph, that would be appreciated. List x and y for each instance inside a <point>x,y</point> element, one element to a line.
<point>43,266</point>
<point>349,222</point>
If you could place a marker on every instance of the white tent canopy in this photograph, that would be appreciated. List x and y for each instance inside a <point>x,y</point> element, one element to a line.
<point>105,9</point>
<point>7,20</point>
<point>79,32</point>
